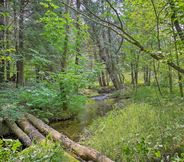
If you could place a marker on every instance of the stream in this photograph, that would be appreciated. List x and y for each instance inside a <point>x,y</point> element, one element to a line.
<point>95,107</point>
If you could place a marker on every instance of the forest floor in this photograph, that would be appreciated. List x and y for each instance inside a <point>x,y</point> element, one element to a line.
<point>147,127</point>
<point>126,125</point>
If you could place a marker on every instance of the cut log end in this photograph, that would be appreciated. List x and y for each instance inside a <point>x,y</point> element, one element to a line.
<point>24,138</point>
<point>30,130</point>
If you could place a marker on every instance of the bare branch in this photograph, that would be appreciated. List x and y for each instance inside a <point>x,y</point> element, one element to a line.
<point>116,12</point>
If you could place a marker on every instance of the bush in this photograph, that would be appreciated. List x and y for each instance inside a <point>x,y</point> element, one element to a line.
<point>45,101</point>
<point>8,149</point>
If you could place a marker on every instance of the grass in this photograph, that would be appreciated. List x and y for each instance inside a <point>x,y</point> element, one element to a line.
<point>149,128</point>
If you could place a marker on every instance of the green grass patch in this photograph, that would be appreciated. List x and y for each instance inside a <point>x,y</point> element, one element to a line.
<point>142,131</point>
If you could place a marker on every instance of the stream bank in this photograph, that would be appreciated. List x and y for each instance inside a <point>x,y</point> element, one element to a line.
<point>95,107</point>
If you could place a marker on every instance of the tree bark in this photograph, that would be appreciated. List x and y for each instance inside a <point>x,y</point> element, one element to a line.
<point>177,60</point>
<point>82,151</point>
<point>156,77</point>
<point>147,76</point>
<point>18,132</point>
<point>20,62</point>
<point>30,130</point>
<point>103,79</point>
<point>170,79</point>
<point>132,74</point>
<point>2,23</point>
<point>175,20</point>
<point>78,33</point>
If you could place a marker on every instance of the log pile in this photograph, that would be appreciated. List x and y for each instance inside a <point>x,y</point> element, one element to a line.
<point>30,129</point>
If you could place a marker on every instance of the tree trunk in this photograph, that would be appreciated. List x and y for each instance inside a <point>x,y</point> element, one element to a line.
<point>7,38</point>
<point>133,74</point>
<point>1,70</point>
<point>110,67</point>
<point>146,73</point>
<point>30,130</point>
<point>64,61</point>
<point>20,62</point>
<point>2,23</point>
<point>107,78</point>
<point>156,78</point>
<point>136,70</point>
<point>18,132</point>
<point>103,79</point>
<point>175,20</point>
<point>82,151</point>
<point>100,80</point>
<point>78,33</point>
<point>177,61</point>
<point>170,79</point>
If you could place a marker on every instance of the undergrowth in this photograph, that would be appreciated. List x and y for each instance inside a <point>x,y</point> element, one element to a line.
<point>145,130</point>
<point>46,151</point>
<point>41,100</point>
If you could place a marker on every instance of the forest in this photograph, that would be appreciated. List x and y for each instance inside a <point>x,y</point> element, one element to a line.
<point>92,80</point>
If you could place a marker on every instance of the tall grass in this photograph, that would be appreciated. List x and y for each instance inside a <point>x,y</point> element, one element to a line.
<point>142,131</point>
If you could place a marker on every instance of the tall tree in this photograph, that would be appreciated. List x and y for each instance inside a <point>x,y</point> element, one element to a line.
<point>20,61</point>
<point>2,27</point>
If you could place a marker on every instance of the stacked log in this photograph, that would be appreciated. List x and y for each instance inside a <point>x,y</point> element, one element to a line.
<point>30,129</point>
<point>24,138</point>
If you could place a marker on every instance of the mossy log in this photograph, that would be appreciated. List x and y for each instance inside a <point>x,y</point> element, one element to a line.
<point>24,138</point>
<point>84,152</point>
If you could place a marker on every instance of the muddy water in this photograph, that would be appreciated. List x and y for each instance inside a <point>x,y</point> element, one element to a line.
<point>95,107</point>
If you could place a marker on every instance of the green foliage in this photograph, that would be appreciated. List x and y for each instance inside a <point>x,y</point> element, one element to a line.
<point>46,101</point>
<point>139,132</point>
<point>12,112</point>
<point>73,81</point>
<point>46,151</point>
<point>55,29</point>
<point>40,100</point>
<point>9,148</point>
<point>9,107</point>
<point>151,96</point>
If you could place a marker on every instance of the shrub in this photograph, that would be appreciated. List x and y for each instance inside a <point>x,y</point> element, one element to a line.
<point>8,149</point>
<point>45,101</point>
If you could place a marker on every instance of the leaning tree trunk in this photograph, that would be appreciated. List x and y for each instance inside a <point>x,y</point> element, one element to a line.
<point>82,151</point>
<point>18,132</point>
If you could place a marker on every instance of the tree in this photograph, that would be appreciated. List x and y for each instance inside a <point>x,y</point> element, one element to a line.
<point>2,30</point>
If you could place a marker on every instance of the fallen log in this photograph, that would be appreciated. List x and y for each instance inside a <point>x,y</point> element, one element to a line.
<point>24,138</point>
<point>84,152</point>
<point>30,130</point>
<point>4,129</point>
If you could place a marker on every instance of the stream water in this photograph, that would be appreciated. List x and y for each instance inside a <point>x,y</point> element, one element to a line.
<point>95,107</point>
